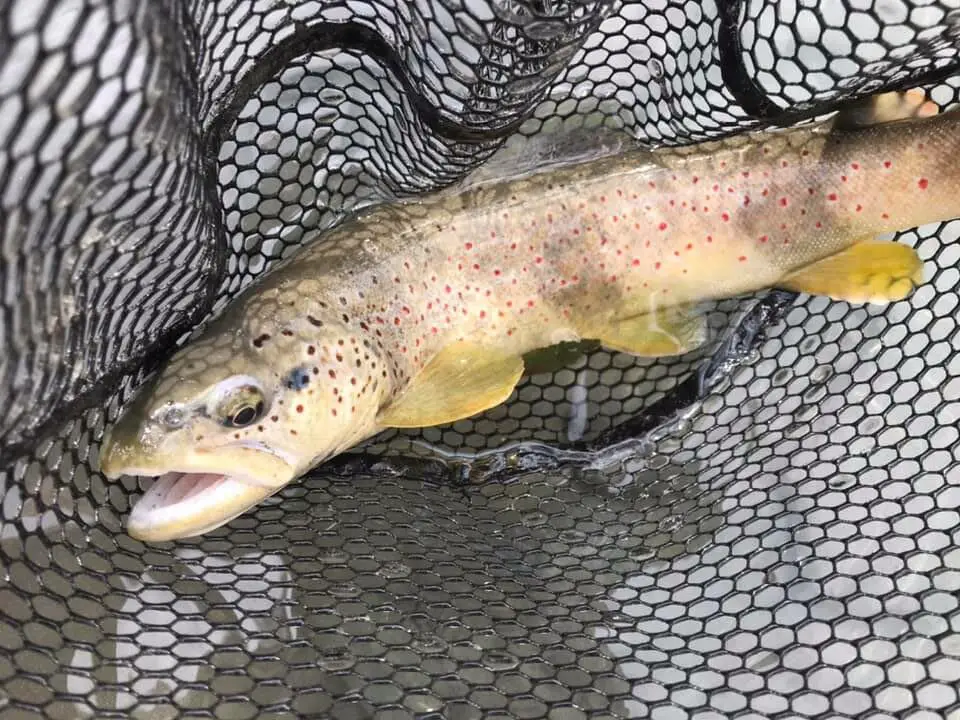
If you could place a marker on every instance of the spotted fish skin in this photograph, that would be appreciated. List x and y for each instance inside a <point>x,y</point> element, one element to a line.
<point>342,330</point>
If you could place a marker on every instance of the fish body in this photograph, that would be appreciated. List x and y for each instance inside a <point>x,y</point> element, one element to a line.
<point>418,313</point>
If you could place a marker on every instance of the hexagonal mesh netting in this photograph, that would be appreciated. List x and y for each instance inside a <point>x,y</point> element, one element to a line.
<point>782,549</point>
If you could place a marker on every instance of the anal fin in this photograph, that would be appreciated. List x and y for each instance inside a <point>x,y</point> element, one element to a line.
<point>661,333</point>
<point>462,380</point>
<point>871,271</point>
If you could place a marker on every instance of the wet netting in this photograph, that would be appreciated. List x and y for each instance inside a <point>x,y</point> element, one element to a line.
<point>777,540</point>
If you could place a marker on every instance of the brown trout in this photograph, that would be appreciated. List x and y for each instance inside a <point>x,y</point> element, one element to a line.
<point>419,313</point>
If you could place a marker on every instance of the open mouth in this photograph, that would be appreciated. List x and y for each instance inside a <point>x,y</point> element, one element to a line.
<point>180,505</point>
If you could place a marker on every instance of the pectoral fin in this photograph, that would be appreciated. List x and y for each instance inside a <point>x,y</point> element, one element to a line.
<point>869,272</point>
<point>462,380</point>
<point>664,332</point>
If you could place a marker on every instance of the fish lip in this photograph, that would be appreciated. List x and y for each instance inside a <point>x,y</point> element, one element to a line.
<point>212,500</point>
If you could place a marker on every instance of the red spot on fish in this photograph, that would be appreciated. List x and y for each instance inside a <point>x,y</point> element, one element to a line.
<point>311,350</point>
<point>635,262</point>
<point>539,259</point>
<point>652,184</point>
<point>725,217</point>
<point>746,200</point>
<point>764,238</point>
<point>332,374</point>
<point>274,418</point>
<point>832,197</point>
<point>783,202</point>
<point>334,412</point>
<point>885,216</point>
<point>299,408</point>
<point>513,246</point>
<point>855,166</point>
<point>396,321</point>
<point>843,178</point>
<point>810,190</point>
<point>709,238</point>
<point>695,179</point>
<point>922,183</point>
<point>742,258</point>
<point>483,313</point>
<point>662,226</point>
<point>657,266</point>
<point>689,246</point>
<point>887,164</point>
<point>529,303</point>
<point>469,246</point>
<point>447,288</point>
<point>859,208</point>
<point>819,224</point>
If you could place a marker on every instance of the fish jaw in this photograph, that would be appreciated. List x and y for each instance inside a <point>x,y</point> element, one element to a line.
<point>195,491</point>
<point>182,505</point>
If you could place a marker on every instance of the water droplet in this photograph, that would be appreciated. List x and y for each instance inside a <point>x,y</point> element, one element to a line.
<point>392,570</point>
<point>545,29</point>
<point>821,374</point>
<point>670,523</point>
<point>641,553</point>
<point>572,536</point>
<point>344,590</point>
<point>496,660</point>
<point>332,96</point>
<point>842,481</point>
<point>428,644</point>
<point>526,86</point>
<point>621,620</point>
<point>331,555</point>
<point>336,659</point>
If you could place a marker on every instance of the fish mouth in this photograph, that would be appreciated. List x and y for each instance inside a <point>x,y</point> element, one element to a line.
<point>186,504</point>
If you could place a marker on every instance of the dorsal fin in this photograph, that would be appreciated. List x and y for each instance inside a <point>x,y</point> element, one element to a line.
<point>578,140</point>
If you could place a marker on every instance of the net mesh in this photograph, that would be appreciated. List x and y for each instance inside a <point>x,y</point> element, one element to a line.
<point>783,548</point>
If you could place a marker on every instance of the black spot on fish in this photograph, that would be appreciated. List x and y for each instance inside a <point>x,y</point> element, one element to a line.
<point>346,318</point>
<point>313,321</point>
<point>260,340</point>
<point>298,378</point>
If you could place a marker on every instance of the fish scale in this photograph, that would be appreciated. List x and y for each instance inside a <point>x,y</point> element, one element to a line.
<point>419,313</point>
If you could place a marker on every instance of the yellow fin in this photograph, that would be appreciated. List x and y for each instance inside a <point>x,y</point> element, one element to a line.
<point>462,380</point>
<point>871,271</point>
<point>886,107</point>
<point>664,332</point>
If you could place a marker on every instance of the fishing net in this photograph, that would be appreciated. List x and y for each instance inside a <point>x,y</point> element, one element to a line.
<point>776,541</point>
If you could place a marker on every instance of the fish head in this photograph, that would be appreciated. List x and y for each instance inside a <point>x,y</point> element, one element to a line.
<point>234,417</point>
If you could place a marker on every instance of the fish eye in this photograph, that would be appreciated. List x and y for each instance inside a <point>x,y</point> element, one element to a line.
<point>239,404</point>
<point>173,417</point>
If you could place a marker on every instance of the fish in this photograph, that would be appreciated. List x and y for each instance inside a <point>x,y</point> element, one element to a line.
<point>418,313</point>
